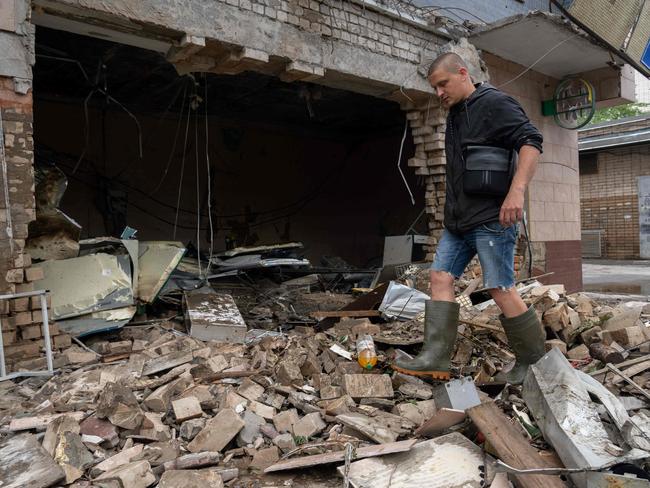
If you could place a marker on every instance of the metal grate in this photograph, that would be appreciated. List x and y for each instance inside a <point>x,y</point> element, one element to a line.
<point>591,243</point>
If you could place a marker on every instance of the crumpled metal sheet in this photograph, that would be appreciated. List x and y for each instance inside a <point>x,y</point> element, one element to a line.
<point>97,322</point>
<point>156,262</point>
<point>402,302</point>
<point>87,284</point>
<point>559,401</point>
<point>635,430</point>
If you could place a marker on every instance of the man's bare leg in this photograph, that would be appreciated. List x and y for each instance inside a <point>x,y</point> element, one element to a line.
<point>442,286</point>
<point>509,301</point>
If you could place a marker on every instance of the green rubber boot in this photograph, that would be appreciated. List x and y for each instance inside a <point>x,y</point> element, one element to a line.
<point>440,329</point>
<point>526,338</point>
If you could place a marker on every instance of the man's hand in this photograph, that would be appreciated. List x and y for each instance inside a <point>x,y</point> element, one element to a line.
<point>512,210</point>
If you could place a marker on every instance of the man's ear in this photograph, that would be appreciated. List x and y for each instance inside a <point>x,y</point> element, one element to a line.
<point>463,72</point>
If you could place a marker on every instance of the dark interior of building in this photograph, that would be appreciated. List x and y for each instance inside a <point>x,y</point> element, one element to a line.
<point>269,161</point>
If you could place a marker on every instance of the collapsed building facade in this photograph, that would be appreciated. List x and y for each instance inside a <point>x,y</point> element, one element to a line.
<point>154,152</point>
<point>270,121</point>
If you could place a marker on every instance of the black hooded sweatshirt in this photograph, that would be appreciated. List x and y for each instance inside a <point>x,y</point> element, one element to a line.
<point>488,117</point>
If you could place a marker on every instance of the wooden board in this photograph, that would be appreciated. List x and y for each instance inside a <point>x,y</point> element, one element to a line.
<point>631,371</point>
<point>168,361</point>
<point>339,456</point>
<point>346,313</point>
<point>369,301</point>
<point>511,446</point>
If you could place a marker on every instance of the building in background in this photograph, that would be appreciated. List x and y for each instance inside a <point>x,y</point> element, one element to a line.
<point>615,188</point>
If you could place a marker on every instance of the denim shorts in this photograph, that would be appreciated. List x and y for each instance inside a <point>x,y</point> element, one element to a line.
<point>495,246</point>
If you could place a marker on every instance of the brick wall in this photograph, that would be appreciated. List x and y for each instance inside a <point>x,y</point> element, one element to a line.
<point>609,199</point>
<point>16,112</point>
<point>623,125</point>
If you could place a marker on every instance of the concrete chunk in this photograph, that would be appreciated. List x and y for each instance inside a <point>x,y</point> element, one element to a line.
<point>310,425</point>
<point>250,390</point>
<point>214,316</point>
<point>251,430</point>
<point>265,458</point>
<point>190,428</point>
<point>285,420</point>
<point>134,475</point>
<point>218,432</point>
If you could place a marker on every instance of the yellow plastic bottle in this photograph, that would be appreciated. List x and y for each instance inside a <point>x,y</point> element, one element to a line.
<point>366,352</point>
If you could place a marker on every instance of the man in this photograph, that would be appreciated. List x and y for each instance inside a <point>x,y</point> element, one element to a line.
<point>479,115</point>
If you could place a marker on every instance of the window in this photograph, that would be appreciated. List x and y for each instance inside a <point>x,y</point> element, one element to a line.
<point>588,164</point>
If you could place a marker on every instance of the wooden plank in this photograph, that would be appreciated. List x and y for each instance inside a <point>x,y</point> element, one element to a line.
<point>440,422</point>
<point>624,364</point>
<point>345,313</point>
<point>26,464</point>
<point>628,380</point>
<point>339,456</point>
<point>368,301</point>
<point>482,326</point>
<point>631,371</point>
<point>40,421</point>
<point>511,446</point>
<point>168,361</point>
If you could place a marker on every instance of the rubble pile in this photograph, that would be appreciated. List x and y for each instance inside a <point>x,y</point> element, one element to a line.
<point>243,390</point>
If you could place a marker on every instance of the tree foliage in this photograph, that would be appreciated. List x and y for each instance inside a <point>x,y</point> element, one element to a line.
<point>619,112</point>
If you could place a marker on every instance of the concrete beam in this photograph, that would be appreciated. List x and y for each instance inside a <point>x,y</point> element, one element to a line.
<point>188,46</point>
<point>366,71</point>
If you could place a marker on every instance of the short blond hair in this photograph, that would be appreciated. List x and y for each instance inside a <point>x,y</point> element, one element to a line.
<point>451,62</point>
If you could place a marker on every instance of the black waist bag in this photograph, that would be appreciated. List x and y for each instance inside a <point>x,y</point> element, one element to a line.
<point>488,170</point>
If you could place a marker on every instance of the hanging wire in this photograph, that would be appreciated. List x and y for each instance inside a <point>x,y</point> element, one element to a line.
<point>538,60</point>
<point>173,149</point>
<point>399,160</point>
<point>207,165</point>
<point>198,183</point>
<point>180,180</point>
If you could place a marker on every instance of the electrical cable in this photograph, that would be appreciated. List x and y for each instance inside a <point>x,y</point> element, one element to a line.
<point>173,149</point>
<point>538,60</point>
<point>399,160</point>
<point>207,166</point>
<point>198,184</point>
<point>180,180</point>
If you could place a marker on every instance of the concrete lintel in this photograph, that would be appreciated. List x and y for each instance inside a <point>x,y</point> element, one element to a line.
<point>188,46</point>
<point>231,25</point>
<point>298,70</point>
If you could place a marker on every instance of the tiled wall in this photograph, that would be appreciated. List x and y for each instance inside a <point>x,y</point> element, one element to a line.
<point>554,197</point>
<point>609,199</point>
